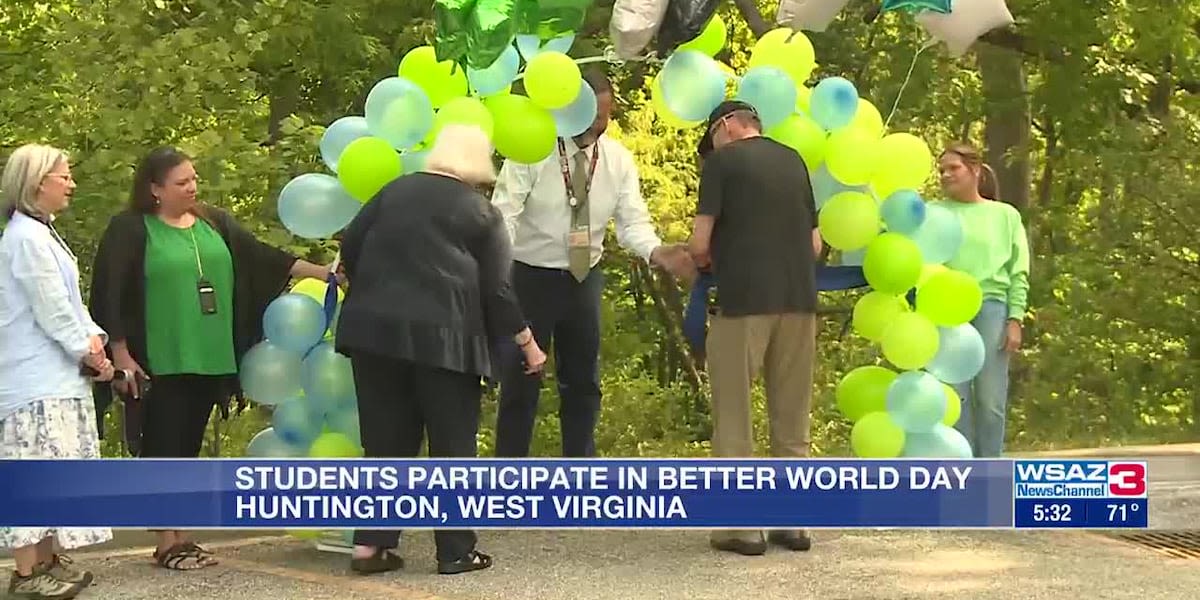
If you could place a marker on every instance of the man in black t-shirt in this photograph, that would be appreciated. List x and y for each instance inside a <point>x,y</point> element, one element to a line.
<point>755,228</point>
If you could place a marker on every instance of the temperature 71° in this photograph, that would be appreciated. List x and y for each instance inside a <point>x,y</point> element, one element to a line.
<point>1122,511</point>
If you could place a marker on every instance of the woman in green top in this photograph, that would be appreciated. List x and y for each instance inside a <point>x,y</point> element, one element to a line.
<point>995,251</point>
<point>181,289</point>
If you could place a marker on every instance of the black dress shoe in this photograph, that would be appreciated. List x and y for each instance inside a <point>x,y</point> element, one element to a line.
<point>792,540</point>
<point>740,546</point>
<point>475,561</point>
<point>381,562</point>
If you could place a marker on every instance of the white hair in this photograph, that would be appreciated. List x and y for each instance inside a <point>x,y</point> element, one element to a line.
<point>465,152</point>
<point>23,175</point>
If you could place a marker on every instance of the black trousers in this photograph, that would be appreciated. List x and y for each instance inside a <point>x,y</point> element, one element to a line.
<point>175,414</point>
<point>399,402</point>
<point>564,316</point>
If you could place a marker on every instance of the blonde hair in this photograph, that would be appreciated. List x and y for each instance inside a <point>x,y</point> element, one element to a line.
<point>23,175</point>
<point>464,152</point>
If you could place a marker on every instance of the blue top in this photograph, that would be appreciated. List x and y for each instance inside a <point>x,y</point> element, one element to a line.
<point>44,327</point>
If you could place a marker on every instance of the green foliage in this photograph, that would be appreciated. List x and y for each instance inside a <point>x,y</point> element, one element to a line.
<point>1112,353</point>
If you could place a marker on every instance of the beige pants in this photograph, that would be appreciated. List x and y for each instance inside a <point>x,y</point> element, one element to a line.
<point>781,347</point>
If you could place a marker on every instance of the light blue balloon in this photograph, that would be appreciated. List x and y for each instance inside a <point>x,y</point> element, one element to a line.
<point>413,161</point>
<point>692,85</point>
<point>916,401</point>
<point>271,374</point>
<point>854,258</point>
<point>328,378</point>
<point>530,45</point>
<point>339,135</point>
<point>903,212</point>
<point>771,91</point>
<point>399,112</point>
<point>833,103</point>
<point>344,420</point>
<point>267,444</point>
<point>297,422</point>
<point>960,354</point>
<point>316,206</point>
<point>826,186</point>
<point>576,117</point>
<point>496,76</point>
<point>294,322</point>
<point>941,442</point>
<point>940,235</point>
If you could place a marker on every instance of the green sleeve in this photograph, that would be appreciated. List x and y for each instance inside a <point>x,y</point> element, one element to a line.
<point>1018,268</point>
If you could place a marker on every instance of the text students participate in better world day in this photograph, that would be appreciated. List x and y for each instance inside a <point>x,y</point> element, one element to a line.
<point>755,226</point>
<point>995,251</point>
<point>428,259</point>
<point>181,288</point>
<point>557,212</point>
<point>46,338</point>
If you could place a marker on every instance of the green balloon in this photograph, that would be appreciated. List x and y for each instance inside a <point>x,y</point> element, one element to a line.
<point>950,298</point>
<point>849,220</point>
<point>874,312</point>
<point>864,391</point>
<point>910,342</point>
<point>464,111</point>
<point>524,132</point>
<point>334,445</point>
<point>366,165</point>
<point>877,436</point>
<point>892,263</point>
<point>803,135</point>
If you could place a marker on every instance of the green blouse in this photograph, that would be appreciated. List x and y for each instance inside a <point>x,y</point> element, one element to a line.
<point>180,339</point>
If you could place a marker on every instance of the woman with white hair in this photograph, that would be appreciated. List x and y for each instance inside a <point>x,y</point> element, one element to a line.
<point>428,260</point>
<point>47,341</point>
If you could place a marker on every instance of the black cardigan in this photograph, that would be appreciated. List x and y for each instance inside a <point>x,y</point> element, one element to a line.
<point>118,290</point>
<point>428,260</point>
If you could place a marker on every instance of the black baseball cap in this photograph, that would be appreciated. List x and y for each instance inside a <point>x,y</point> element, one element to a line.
<point>722,110</point>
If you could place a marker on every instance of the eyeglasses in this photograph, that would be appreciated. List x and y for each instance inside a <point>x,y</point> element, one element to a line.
<point>63,176</point>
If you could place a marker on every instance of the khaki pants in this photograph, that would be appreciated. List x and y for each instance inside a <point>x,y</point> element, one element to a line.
<point>782,348</point>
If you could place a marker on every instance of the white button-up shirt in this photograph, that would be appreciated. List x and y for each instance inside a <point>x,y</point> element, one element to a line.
<point>44,325</point>
<point>534,202</point>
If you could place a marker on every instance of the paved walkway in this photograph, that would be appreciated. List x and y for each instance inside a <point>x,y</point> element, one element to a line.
<point>635,565</point>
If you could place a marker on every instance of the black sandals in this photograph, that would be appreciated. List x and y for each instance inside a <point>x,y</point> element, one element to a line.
<point>185,556</point>
<point>475,561</point>
<point>382,561</point>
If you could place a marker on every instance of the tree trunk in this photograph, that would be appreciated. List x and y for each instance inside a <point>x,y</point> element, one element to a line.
<point>1007,131</point>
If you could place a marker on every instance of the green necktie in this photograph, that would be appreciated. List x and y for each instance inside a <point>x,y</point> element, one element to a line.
<point>580,258</point>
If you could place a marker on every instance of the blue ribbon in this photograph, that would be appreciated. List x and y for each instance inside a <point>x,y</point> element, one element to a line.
<point>331,299</point>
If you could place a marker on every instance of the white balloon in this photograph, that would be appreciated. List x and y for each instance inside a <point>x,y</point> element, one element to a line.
<point>808,15</point>
<point>965,23</point>
<point>634,23</point>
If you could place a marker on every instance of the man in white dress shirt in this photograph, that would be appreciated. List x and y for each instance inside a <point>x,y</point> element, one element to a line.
<point>557,212</point>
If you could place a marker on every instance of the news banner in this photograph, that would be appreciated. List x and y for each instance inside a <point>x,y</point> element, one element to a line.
<point>598,493</point>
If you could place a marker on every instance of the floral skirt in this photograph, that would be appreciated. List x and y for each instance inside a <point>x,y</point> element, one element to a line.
<point>51,429</point>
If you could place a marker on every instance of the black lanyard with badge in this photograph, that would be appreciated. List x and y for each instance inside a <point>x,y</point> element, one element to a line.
<point>208,294</point>
<point>580,234</point>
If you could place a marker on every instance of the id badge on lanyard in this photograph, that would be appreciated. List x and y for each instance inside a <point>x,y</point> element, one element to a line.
<point>580,235</point>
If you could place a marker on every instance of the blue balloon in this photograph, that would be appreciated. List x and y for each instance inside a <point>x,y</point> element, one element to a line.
<point>530,45</point>
<point>854,258</point>
<point>576,117</point>
<point>692,85</point>
<point>413,161</point>
<point>328,378</point>
<point>297,422</point>
<point>267,444</point>
<point>771,92</point>
<point>903,212</point>
<point>294,322</point>
<point>344,420</point>
<point>826,186</point>
<point>496,76</point>
<point>941,442</point>
<point>916,401</point>
<point>399,112</point>
<point>833,103</point>
<point>940,235</point>
<point>315,206</point>
<point>271,374</point>
<point>339,135</point>
<point>960,354</point>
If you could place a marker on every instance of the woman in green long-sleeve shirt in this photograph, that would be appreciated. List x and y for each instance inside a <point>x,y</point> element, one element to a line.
<point>995,251</point>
